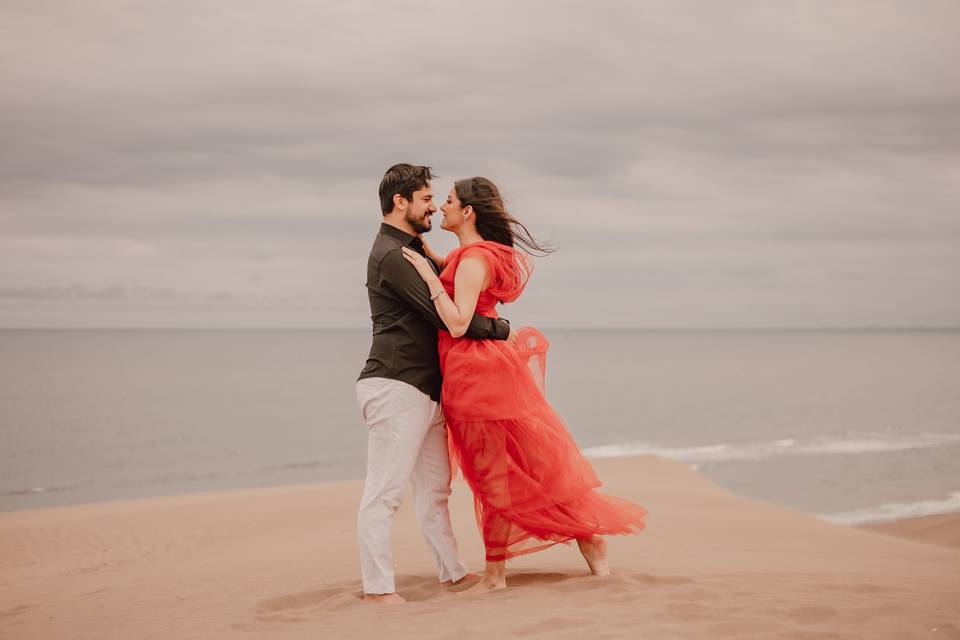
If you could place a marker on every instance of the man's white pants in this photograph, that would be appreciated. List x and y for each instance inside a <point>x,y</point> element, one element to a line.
<point>407,443</point>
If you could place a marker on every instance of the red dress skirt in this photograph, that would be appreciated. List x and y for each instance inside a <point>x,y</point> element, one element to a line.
<point>532,487</point>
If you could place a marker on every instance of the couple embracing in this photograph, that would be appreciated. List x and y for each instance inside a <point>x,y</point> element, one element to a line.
<point>449,384</point>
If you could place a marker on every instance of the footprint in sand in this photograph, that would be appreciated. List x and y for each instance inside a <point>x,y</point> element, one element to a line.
<point>278,609</point>
<point>340,596</point>
<point>294,606</point>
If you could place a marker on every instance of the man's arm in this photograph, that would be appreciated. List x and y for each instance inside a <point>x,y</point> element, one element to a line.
<point>402,278</point>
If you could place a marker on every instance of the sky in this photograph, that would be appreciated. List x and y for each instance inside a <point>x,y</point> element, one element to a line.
<point>705,164</point>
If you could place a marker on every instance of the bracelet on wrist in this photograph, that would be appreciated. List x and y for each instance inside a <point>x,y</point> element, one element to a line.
<point>437,294</point>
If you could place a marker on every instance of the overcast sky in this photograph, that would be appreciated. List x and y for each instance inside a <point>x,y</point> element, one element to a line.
<point>699,164</point>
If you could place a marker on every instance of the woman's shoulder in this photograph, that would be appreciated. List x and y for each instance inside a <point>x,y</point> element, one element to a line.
<point>484,248</point>
<point>487,248</point>
<point>509,268</point>
<point>496,255</point>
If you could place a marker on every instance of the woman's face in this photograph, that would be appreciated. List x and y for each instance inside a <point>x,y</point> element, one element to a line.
<point>452,212</point>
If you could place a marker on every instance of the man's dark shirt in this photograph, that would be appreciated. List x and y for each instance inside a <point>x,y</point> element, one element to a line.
<point>405,320</point>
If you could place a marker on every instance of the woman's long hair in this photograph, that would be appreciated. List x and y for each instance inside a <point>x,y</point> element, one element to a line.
<point>493,220</point>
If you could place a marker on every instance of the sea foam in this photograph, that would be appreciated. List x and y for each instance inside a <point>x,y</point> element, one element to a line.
<point>760,450</point>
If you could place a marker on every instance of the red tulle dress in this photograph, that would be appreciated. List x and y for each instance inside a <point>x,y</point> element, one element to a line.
<point>532,487</point>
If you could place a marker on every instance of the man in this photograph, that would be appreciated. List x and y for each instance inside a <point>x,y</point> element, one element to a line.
<point>399,391</point>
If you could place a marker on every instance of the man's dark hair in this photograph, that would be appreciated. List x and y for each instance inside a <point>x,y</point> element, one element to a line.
<point>402,179</point>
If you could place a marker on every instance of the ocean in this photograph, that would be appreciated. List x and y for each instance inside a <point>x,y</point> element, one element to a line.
<point>851,426</point>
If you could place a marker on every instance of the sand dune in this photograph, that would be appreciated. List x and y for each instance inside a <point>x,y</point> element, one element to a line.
<point>282,562</point>
<point>943,529</point>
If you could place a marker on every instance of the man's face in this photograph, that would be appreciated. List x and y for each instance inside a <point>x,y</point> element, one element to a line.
<point>420,209</point>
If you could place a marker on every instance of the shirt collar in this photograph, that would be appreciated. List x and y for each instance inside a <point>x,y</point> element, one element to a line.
<point>408,239</point>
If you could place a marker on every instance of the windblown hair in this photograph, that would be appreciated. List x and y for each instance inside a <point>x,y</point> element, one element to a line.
<point>493,220</point>
<point>402,179</point>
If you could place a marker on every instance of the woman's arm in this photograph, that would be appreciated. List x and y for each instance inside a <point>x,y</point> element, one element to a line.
<point>406,282</point>
<point>469,281</point>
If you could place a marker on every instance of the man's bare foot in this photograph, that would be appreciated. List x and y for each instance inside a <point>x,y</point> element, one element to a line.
<point>466,579</point>
<point>594,551</point>
<point>383,598</point>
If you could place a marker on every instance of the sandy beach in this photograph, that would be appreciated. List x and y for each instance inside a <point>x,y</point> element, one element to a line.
<point>282,562</point>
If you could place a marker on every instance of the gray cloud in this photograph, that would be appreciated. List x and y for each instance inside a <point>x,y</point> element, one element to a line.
<point>699,163</point>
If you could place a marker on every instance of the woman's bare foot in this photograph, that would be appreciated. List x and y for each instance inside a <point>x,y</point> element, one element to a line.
<point>494,578</point>
<point>383,598</point>
<point>594,551</point>
<point>485,586</point>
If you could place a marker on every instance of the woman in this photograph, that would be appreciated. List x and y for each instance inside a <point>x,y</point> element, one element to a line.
<point>532,487</point>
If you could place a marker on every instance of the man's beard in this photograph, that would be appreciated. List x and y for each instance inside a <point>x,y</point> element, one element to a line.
<point>421,225</point>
